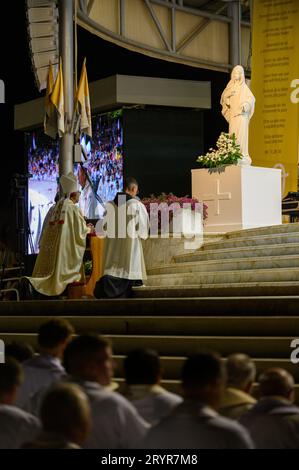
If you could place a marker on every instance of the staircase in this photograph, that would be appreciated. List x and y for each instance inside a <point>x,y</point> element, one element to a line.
<point>263,261</point>
<point>239,294</point>
<point>260,326</point>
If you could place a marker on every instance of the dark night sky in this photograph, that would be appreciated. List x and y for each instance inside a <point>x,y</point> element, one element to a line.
<point>103,59</point>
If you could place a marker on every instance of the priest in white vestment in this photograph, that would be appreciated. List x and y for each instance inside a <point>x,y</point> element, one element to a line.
<point>62,244</point>
<point>87,202</point>
<point>126,224</point>
<point>238,107</point>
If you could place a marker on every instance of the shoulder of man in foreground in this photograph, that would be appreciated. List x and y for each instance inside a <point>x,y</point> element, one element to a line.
<point>236,436</point>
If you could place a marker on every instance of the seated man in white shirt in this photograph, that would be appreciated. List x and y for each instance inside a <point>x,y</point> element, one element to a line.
<point>46,367</point>
<point>195,424</point>
<point>273,421</point>
<point>16,426</point>
<point>143,374</point>
<point>115,422</point>
<point>65,417</point>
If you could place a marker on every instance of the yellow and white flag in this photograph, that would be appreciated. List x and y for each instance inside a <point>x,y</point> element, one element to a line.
<point>82,102</point>
<point>50,121</point>
<point>57,99</point>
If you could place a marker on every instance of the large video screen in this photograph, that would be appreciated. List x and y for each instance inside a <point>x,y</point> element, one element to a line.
<point>100,176</point>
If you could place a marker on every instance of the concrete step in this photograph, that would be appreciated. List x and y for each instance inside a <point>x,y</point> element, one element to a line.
<point>161,301</point>
<point>245,290</point>
<point>257,346</point>
<point>235,264</point>
<point>275,229</point>
<point>224,277</point>
<point>172,366</point>
<point>255,240</point>
<point>240,252</point>
<point>169,325</point>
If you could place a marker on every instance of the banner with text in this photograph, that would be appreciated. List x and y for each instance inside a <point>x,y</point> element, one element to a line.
<point>275,84</point>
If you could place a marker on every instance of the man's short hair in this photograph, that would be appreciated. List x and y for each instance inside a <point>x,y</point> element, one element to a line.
<point>142,366</point>
<point>83,349</point>
<point>19,350</point>
<point>64,407</point>
<point>130,182</point>
<point>202,369</point>
<point>240,370</point>
<point>54,332</point>
<point>276,382</point>
<point>11,375</point>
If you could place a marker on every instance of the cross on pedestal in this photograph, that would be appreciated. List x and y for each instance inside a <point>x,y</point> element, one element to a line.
<point>217,197</point>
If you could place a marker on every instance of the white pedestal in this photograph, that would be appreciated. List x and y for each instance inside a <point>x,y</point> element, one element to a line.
<point>240,197</point>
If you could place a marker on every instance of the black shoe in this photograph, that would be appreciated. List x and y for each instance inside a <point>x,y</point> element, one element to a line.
<point>137,283</point>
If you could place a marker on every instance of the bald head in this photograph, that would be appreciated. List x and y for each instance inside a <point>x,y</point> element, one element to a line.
<point>276,382</point>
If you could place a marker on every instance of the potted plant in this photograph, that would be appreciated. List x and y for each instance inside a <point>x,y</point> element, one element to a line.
<point>168,212</point>
<point>227,153</point>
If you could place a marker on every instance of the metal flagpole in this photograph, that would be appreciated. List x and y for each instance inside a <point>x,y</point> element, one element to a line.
<point>66,51</point>
<point>234,10</point>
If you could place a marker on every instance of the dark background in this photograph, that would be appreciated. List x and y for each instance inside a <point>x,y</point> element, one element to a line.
<point>105,59</point>
<point>160,148</point>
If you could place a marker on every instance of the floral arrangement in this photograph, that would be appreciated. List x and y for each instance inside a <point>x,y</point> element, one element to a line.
<point>228,153</point>
<point>153,202</point>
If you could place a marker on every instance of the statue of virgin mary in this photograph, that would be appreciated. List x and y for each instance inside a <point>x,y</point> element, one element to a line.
<point>238,107</point>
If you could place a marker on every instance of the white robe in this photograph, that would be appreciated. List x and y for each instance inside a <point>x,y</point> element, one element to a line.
<point>38,206</point>
<point>191,426</point>
<point>238,107</point>
<point>152,402</point>
<point>123,257</point>
<point>16,427</point>
<point>115,422</point>
<point>62,248</point>
<point>39,372</point>
<point>87,202</point>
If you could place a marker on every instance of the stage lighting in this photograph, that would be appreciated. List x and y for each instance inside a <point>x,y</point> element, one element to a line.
<point>42,16</point>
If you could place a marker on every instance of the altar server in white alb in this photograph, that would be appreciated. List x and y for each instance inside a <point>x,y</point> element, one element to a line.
<point>62,244</point>
<point>126,223</point>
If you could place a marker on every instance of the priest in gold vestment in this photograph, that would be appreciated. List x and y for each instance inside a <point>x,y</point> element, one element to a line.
<point>62,244</point>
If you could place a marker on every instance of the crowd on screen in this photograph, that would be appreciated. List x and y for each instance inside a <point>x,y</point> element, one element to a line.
<point>104,158</point>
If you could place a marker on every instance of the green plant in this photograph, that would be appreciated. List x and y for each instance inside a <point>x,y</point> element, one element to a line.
<point>88,267</point>
<point>228,153</point>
